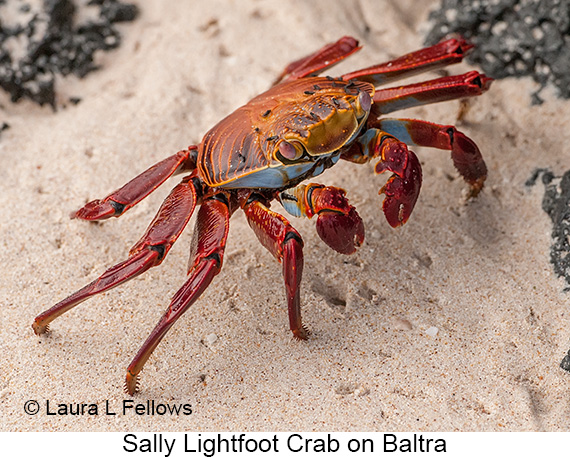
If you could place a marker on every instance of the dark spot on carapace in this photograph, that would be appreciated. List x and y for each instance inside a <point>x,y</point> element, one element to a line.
<point>309,92</point>
<point>350,90</point>
<point>272,138</point>
<point>267,113</point>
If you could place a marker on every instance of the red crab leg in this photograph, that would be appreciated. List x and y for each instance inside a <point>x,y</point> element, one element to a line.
<point>440,55</point>
<point>338,223</point>
<point>116,203</point>
<point>432,91</point>
<point>209,241</point>
<point>286,245</point>
<point>324,58</point>
<point>403,187</point>
<point>151,249</point>
<point>464,152</point>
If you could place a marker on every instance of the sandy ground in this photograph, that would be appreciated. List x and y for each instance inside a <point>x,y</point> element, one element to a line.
<point>476,271</point>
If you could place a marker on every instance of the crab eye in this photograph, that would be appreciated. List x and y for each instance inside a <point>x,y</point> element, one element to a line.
<point>364,101</point>
<point>288,152</point>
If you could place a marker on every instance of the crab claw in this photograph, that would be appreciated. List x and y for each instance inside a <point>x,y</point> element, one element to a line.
<point>342,232</point>
<point>467,159</point>
<point>402,192</point>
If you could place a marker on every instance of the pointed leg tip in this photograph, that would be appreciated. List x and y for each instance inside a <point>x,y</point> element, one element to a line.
<point>461,43</point>
<point>475,188</point>
<point>132,384</point>
<point>40,329</point>
<point>301,334</point>
<point>98,210</point>
<point>486,81</point>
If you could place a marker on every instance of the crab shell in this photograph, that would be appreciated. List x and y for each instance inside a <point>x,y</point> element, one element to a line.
<point>293,131</point>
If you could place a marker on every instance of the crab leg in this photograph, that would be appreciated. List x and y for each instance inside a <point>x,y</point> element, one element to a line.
<point>324,58</point>
<point>464,152</point>
<point>338,223</point>
<point>440,55</point>
<point>432,91</point>
<point>208,244</point>
<point>286,245</point>
<point>116,203</point>
<point>150,251</point>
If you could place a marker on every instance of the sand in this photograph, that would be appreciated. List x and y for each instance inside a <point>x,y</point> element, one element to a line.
<point>455,321</point>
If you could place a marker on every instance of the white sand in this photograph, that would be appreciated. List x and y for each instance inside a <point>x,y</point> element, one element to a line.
<point>454,322</point>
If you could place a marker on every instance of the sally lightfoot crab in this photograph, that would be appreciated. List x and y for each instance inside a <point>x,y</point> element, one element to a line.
<point>266,149</point>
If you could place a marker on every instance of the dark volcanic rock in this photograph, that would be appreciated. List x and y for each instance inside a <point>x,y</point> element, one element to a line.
<point>512,37</point>
<point>38,43</point>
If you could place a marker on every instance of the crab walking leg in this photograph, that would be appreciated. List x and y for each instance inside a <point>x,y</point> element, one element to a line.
<point>435,90</point>
<point>207,251</point>
<point>465,154</point>
<point>403,188</point>
<point>286,245</point>
<point>440,55</point>
<point>324,58</point>
<point>150,251</point>
<point>338,223</point>
<point>116,203</point>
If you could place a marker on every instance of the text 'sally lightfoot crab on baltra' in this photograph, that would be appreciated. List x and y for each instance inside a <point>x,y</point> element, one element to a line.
<point>266,150</point>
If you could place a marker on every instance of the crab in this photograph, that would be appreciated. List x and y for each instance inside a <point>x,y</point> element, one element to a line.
<point>266,150</point>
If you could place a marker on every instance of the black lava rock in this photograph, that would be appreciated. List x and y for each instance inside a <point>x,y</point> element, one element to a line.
<point>556,203</point>
<point>512,37</point>
<point>36,43</point>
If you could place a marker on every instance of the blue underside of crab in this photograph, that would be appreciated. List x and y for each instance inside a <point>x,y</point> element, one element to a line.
<point>283,176</point>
